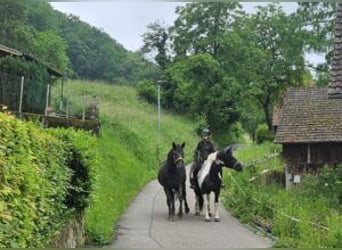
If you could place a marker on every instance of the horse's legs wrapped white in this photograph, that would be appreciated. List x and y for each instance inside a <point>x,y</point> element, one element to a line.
<point>207,208</point>
<point>216,214</point>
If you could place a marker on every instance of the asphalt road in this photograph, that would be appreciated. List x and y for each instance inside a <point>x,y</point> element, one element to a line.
<point>145,225</point>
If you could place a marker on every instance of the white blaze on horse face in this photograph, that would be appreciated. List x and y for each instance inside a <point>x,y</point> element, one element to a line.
<point>206,168</point>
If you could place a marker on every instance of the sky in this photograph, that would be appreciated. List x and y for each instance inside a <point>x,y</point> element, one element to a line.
<point>126,21</point>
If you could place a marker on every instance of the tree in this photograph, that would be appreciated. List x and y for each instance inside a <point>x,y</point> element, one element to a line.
<point>200,27</point>
<point>156,40</point>
<point>198,86</point>
<point>318,20</point>
<point>280,61</point>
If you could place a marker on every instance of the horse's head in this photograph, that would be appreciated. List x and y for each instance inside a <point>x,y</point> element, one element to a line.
<point>226,156</point>
<point>176,154</point>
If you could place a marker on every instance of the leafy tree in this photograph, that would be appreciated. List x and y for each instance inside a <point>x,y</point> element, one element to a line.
<point>318,20</point>
<point>280,59</point>
<point>200,27</point>
<point>198,86</point>
<point>156,40</point>
<point>50,47</point>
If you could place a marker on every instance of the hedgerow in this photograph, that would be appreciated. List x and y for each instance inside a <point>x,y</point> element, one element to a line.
<point>36,181</point>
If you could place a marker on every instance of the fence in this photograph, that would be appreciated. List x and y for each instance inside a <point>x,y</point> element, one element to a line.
<point>22,94</point>
<point>31,100</point>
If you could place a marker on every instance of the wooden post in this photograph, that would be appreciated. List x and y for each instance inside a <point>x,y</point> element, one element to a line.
<point>61,98</point>
<point>84,108</point>
<point>309,154</point>
<point>67,110</point>
<point>21,95</point>
<point>47,98</point>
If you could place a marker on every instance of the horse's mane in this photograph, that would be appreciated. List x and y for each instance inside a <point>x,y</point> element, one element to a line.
<point>206,167</point>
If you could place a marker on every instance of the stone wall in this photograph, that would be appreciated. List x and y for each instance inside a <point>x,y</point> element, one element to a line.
<point>72,236</point>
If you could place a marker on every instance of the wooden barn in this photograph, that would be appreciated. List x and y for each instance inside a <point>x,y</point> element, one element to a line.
<point>309,124</point>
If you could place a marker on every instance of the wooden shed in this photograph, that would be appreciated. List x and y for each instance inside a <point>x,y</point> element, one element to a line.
<point>309,124</point>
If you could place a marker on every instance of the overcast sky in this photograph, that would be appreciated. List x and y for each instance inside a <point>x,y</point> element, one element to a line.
<point>127,21</point>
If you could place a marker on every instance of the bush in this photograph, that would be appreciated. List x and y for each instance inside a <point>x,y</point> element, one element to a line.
<point>147,90</point>
<point>40,187</point>
<point>262,134</point>
<point>201,122</point>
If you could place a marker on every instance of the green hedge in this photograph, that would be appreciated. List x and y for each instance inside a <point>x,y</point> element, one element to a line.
<point>36,181</point>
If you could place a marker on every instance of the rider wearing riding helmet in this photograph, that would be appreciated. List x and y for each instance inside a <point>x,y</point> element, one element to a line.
<point>203,149</point>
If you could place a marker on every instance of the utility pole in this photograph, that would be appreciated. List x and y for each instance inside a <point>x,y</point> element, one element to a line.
<point>159,82</point>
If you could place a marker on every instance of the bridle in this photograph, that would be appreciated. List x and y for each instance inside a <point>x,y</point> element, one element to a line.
<point>178,160</point>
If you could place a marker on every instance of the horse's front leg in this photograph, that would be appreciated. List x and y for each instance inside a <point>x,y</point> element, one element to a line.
<point>180,197</point>
<point>172,207</point>
<point>216,205</point>
<point>207,207</point>
<point>169,202</point>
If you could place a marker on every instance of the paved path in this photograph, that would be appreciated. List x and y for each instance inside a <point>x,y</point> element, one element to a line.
<point>145,225</point>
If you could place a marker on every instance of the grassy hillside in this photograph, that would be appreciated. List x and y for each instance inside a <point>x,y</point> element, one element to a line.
<point>128,146</point>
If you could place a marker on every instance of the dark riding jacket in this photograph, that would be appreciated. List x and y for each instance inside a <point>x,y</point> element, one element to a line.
<point>203,149</point>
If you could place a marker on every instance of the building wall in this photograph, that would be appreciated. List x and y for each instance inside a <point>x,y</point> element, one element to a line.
<point>302,159</point>
<point>314,154</point>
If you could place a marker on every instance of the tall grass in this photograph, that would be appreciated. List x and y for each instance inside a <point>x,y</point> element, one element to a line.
<point>130,148</point>
<point>318,219</point>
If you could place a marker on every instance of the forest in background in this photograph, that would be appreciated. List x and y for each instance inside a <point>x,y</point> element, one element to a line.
<point>225,68</point>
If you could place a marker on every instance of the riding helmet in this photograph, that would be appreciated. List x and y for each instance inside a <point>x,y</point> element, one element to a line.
<point>205,132</point>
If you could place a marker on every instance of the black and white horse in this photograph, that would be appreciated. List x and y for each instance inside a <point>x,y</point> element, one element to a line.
<point>209,180</point>
<point>172,177</point>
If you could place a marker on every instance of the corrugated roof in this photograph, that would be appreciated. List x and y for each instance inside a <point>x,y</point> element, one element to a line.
<point>10,51</point>
<point>310,116</point>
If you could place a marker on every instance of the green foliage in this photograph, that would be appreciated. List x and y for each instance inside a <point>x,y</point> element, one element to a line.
<point>200,123</point>
<point>197,86</point>
<point>327,183</point>
<point>156,38</point>
<point>83,160</point>
<point>297,219</point>
<point>130,150</point>
<point>45,178</point>
<point>262,134</point>
<point>69,44</point>
<point>147,90</point>
<point>34,182</point>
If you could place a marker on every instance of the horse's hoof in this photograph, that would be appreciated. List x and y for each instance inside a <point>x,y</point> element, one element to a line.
<point>180,215</point>
<point>217,219</point>
<point>207,219</point>
<point>187,210</point>
<point>197,213</point>
<point>171,218</point>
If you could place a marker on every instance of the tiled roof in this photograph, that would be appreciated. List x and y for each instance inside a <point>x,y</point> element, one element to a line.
<point>335,87</point>
<point>276,116</point>
<point>309,116</point>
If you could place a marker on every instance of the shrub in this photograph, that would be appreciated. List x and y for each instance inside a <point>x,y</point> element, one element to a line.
<point>262,134</point>
<point>43,181</point>
<point>147,90</point>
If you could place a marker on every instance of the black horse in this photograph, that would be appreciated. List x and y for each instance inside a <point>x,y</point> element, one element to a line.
<point>209,180</point>
<point>172,177</point>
